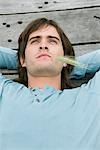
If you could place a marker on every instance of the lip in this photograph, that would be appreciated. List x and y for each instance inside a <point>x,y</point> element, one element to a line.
<point>43,55</point>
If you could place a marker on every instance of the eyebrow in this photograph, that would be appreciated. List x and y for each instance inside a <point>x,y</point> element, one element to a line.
<point>35,37</point>
<point>54,37</point>
<point>51,37</point>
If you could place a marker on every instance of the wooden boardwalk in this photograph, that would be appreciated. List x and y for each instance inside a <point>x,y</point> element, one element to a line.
<point>80,19</point>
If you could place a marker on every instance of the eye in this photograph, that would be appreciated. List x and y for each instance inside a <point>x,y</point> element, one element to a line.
<point>36,41</point>
<point>52,41</point>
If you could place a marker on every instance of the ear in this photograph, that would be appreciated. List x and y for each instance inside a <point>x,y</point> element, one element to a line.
<point>64,64</point>
<point>22,61</point>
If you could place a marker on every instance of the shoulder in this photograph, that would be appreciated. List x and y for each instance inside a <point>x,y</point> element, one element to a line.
<point>10,86</point>
<point>94,83</point>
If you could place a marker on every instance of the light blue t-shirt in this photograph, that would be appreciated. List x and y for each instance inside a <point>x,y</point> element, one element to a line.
<point>50,119</point>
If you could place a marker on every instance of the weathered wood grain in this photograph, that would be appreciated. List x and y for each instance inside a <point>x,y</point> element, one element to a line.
<point>14,76</point>
<point>83,49</point>
<point>81,26</point>
<point>22,6</point>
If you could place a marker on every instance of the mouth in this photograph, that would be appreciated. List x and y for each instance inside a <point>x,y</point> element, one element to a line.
<point>43,56</point>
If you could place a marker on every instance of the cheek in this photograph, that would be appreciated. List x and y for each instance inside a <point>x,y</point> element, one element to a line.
<point>60,51</point>
<point>29,53</point>
<point>28,57</point>
<point>57,50</point>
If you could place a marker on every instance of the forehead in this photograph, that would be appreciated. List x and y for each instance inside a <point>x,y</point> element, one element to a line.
<point>45,31</point>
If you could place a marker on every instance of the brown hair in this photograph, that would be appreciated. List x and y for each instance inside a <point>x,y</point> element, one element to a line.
<point>22,42</point>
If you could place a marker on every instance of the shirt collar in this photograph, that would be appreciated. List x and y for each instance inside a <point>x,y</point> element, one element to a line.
<point>46,88</point>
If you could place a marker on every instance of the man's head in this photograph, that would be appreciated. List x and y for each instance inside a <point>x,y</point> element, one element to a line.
<point>39,45</point>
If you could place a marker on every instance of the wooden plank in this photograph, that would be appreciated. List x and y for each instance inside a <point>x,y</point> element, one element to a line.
<point>22,6</point>
<point>11,76</point>
<point>83,49</point>
<point>81,26</point>
<point>8,72</point>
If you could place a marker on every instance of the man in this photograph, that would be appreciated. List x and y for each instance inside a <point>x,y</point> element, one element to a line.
<point>43,111</point>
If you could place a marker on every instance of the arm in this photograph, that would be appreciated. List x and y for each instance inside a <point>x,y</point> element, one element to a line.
<point>8,58</point>
<point>92,60</point>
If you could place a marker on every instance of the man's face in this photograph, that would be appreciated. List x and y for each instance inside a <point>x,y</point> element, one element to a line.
<point>43,47</point>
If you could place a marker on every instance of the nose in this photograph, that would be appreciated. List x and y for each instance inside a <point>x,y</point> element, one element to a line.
<point>43,45</point>
<point>43,48</point>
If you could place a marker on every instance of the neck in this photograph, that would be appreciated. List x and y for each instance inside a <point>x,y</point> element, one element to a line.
<point>41,82</point>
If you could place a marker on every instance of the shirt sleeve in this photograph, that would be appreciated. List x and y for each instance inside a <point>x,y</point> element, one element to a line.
<point>8,58</point>
<point>91,61</point>
<point>94,84</point>
<point>2,82</point>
